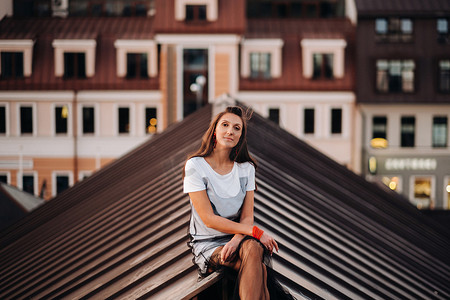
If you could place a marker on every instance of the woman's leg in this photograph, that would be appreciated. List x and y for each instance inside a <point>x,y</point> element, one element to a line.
<point>252,274</point>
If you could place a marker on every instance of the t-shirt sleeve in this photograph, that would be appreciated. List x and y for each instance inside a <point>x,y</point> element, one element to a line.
<point>192,181</point>
<point>251,179</point>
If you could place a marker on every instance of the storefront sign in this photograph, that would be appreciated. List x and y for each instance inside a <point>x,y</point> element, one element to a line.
<point>399,164</point>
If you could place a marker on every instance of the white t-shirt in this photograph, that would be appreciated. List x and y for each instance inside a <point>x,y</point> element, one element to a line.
<point>226,194</point>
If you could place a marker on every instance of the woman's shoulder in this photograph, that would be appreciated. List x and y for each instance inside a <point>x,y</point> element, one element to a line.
<point>247,166</point>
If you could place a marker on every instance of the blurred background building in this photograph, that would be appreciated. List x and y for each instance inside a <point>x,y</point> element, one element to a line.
<point>84,82</point>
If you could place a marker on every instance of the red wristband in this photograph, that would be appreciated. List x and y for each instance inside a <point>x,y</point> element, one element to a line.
<point>257,233</point>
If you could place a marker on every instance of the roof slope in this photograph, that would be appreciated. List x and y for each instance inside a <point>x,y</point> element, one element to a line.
<point>14,204</point>
<point>122,232</point>
<point>402,7</point>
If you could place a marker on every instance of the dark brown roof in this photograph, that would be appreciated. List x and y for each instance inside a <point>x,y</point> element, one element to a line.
<point>402,7</point>
<point>104,30</point>
<point>292,31</point>
<point>122,232</point>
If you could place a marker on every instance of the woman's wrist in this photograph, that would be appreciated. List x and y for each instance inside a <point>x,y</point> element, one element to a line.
<point>257,233</point>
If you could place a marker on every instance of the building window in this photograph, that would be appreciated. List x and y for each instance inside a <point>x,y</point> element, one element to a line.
<point>88,120</point>
<point>274,115</point>
<point>74,65</point>
<point>295,9</point>
<point>323,58</point>
<point>62,183</point>
<point>261,58</point>
<point>136,58</point>
<point>151,121</point>
<point>440,131</point>
<point>422,192</point>
<point>444,76</point>
<point>260,65</point>
<point>4,178</point>
<point>74,58</point>
<point>395,75</point>
<point>124,120</point>
<point>137,65</point>
<point>26,120</point>
<point>408,128</point>
<point>28,184</point>
<point>442,30</point>
<point>322,66</point>
<point>12,65</point>
<point>379,127</point>
<point>336,121</point>
<point>110,8</point>
<point>2,120</point>
<point>394,29</point>
<point>61,115</point>
<point>191,10</point>
<point>308,117</point>
<point>195,12</point>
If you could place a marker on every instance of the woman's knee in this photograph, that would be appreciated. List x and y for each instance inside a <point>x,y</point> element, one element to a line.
<point>252,248</point>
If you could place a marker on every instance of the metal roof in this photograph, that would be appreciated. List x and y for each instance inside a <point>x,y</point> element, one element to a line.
<point>402,7</point>
<point>122,232</point>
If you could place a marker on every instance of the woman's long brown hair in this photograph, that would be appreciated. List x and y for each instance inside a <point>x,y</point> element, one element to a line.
<point>238,153</point>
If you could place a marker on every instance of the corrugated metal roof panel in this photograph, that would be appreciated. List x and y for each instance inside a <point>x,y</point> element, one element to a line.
<point>122,233</point>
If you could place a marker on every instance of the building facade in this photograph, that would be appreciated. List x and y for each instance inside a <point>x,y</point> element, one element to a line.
<point>403,96</point>
<point>84,82</point>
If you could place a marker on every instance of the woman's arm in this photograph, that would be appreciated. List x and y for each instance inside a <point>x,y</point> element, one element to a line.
<point>203,207</point>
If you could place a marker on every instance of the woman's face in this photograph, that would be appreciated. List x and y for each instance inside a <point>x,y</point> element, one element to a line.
<point>228,131</point>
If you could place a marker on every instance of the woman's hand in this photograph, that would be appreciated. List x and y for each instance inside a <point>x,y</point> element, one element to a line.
<point>269,242</point>
<point>230,248</point>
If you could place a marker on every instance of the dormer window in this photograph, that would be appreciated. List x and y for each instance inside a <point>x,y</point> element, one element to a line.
<point>74,58</point>
<point>261,58</point>
<point>323,58</point>
<point>16,58</point>
<point>136,58</point>
<point>196,10</point>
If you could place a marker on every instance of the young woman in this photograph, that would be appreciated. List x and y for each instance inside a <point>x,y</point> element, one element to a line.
<point>220,180</point>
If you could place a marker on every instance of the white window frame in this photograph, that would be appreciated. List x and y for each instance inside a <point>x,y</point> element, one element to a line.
<point>96,119</point>
<point>25,46</point>
<point>212,9</point>
<point>323,46</point>
<point>87,46</point>
<point>62,173</point>
<point>35,179</point>
<point>34,114</point>
<point>8,176</point>
<point>272,46</point>
<point>6,106</point>
<point>69,119</point>
<point>123,47</point>
<point>412,180</point>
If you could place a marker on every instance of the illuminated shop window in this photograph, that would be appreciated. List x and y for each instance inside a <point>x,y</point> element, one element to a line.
<point>423,193</point>
<point>151,120</point>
